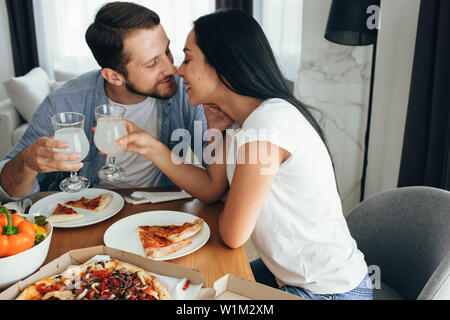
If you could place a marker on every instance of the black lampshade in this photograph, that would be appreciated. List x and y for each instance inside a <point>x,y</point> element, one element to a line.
<point>347,23</point>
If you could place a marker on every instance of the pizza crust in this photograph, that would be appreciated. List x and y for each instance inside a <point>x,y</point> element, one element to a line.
<point>105,200</point>
<point>164,251</point>
<point>30,293</point>
<point>60,295</point>
<point>187,233</point>
<point>62,218</point>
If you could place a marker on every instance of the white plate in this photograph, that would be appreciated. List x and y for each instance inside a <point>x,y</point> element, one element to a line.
<point>47,205</point>
<point>122,235</point>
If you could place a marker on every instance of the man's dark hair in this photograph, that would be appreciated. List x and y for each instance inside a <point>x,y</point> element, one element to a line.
<point>112,24</point>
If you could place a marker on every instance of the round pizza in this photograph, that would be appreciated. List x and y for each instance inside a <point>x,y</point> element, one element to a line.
<point>103,280</point>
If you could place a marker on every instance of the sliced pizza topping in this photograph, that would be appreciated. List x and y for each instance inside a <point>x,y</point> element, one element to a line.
<point>85,203</point>
<point>60,209</point>
<point>186,285</point>
<point>150,240</point>
<point>106,285</point>
<point>43,288</point>
<point>166,231</point>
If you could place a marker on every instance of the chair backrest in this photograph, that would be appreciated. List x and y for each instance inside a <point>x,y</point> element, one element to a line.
<point>406,232</point>
<point>438,286</point>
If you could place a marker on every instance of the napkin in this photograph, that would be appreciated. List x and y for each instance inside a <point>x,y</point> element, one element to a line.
<point>156,197</point>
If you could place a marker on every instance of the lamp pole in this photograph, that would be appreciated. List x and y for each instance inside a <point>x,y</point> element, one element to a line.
<point>369,119</point>
<point>348,25</point>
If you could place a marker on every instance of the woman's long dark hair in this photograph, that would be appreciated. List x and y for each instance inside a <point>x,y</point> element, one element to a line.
<point>236,47</point>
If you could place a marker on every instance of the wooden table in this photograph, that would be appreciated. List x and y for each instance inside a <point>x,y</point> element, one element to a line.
<point>213,260</point>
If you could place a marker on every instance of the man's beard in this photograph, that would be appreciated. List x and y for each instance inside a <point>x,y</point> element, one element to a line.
<point>154,93</point>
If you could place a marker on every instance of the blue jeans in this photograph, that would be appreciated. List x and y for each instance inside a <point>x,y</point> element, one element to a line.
<point>263,275</point>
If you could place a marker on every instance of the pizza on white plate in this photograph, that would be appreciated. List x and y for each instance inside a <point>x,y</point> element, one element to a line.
<point>159,241</point>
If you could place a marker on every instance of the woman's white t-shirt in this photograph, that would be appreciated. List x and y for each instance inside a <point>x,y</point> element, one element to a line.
<point>301,233</point>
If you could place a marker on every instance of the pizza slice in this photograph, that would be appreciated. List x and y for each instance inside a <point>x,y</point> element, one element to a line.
<point>63,214</point>
<point>52,288</point>
<point>159,241</point>
<point>97,204</point>
<point>179,233</point>
<point>155,246</point>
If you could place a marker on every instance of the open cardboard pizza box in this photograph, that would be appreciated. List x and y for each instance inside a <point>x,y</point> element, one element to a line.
<point>228,287</point>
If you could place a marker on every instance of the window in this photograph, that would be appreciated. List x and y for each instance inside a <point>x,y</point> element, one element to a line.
<point>281,21</point>
<point>61,26</point>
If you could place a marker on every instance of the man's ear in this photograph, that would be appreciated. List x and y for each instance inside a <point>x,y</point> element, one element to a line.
<point>113,77</point>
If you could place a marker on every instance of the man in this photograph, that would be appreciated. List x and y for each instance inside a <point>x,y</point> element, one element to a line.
<point>137,72</point>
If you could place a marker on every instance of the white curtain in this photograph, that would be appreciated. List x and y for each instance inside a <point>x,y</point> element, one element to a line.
<point>61,26</point>
<point>281,21</point>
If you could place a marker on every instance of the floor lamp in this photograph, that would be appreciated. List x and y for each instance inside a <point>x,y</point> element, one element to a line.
<point>348,25</point>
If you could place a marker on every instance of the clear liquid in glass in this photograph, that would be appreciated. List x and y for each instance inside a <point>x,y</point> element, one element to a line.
<point>107,132</point>
<point>77,140</point>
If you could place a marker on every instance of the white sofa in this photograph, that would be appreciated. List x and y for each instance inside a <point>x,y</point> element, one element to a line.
<point>24,96</point>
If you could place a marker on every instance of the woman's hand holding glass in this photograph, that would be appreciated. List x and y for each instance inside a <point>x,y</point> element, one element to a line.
<point>137,141</point>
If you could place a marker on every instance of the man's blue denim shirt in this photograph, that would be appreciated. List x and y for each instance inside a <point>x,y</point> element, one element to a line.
<point>83,95</point>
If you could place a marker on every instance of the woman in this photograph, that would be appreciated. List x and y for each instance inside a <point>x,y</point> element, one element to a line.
<point>282,189</point>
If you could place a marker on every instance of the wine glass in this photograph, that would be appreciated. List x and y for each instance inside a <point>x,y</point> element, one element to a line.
<point>69,127</point>
<point>110,127</point>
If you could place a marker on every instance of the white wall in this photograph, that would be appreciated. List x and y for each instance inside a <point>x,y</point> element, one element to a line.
<point>6,63</point>
<point>336,79</point>
<point>395,56</point>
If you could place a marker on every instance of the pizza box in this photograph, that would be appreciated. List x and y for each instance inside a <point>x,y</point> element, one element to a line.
<point>229,287</point>
<point>80,256</point>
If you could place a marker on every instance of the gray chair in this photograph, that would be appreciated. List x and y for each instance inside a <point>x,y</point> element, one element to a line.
<point>405,232</point>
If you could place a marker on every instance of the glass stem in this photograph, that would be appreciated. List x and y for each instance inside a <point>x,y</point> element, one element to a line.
<point>111,161</point>
<point>74,176</point>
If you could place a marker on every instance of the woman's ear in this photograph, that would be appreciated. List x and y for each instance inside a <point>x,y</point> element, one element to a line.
<point>113,77</point>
